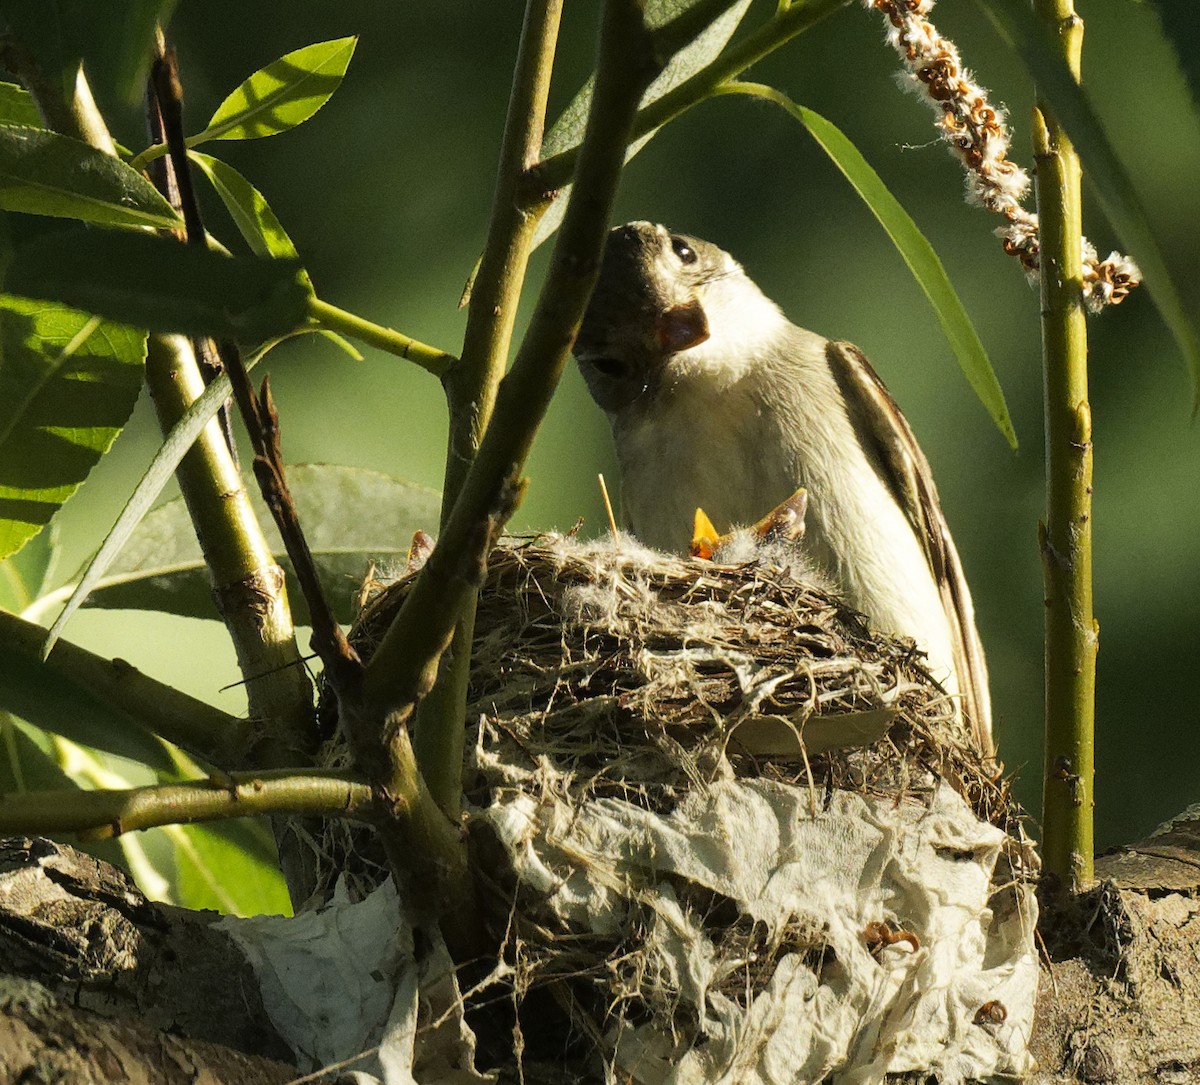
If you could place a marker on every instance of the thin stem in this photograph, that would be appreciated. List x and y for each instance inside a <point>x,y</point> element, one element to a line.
<point>107,813</point>
<point>471,385</point>
<point>434,361</point>
<point>204,732</point>
<point>554,172</point>
<point>1066,537</point>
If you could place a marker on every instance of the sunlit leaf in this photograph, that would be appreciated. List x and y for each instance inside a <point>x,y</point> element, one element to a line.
<point>912,245</point>
<point>351,517</point>
<point>44,173</point>
<point>246,206</point>
<point>230,866</point>
<point>18,107</point>
<point>282,95</point>
<point>567,131</point>
<point>68,384</point>
<point>1103,171</point>
<point>156,283</point>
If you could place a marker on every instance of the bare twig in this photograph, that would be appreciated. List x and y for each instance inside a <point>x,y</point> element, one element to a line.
<point>205,732</point>
<point>110,812</point>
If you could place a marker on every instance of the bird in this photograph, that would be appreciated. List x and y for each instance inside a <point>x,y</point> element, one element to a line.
<point>717,401</point>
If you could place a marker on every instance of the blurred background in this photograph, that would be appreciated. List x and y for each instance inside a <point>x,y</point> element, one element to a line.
<point>386,194</point>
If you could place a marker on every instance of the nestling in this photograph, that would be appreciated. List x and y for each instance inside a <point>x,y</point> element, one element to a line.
<point>717,401</point>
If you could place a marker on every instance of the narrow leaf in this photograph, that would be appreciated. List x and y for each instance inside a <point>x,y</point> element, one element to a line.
<point>351,516</point>
<point>18,107</point>
<point>282,95</point>
<point>156,283</point>
<point>182,436</point>
<point>249,210</point>
<point>44,173</point>
<point>567,131</point>
<point>912,245</point>
<point>1178,20</point>
<point>1102,169</point>
<point>68,384</point>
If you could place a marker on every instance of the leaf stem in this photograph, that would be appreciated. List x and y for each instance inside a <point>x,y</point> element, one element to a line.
<point>1066,538</point>
<point>110,812</point>
<point>435,361</point>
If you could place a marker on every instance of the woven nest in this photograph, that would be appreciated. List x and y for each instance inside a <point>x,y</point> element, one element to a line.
<point>605,671</point>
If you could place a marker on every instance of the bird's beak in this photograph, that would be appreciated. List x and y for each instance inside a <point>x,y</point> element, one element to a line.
<point>680,328</point>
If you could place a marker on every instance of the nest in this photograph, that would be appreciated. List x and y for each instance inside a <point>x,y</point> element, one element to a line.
<point>607,677</point>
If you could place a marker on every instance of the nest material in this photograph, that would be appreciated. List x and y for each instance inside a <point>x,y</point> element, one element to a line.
<point>607,676</point>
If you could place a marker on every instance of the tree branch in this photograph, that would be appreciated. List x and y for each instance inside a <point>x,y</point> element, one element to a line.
<point>1066,537</point>
<point>431,359</point>
<point>554,172</point>
<point>108,813</point>
<point>203,731</point>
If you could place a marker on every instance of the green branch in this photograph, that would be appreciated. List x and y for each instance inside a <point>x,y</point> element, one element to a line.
<point>109,813</point>
<point>330,317</point>
<point>555,171</point>
<point>471,385</point>
<point>625,68</point>
<point>1066,537</point>
<point>203,731</point>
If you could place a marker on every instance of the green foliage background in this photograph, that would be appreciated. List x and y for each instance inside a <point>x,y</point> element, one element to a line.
<point>386,195</point>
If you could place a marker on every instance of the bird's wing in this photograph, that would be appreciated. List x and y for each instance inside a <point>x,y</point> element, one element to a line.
<point>888,440</point>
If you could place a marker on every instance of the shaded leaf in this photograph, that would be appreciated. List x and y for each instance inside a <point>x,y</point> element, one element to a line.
<point>26,575</point>
<point>912,245</point>
<point>230,866</point>
<point>63,708</point>
<point>1103,171</point>
<point>44,173</point>
<point>567,132</point>
<point>282,95</point>
<point>351,517</point>
<point>246,206</point>
<point>1178,20</point>
<point>113,38</point>
<point>18,107</point>
<point>68,383</point>
<point>156,283</point>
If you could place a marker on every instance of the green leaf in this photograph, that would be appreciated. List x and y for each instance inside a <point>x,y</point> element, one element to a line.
<point>1178,20</point>
<point>68,383</point>
<point>912,245</point>
<point>567,132</point>
<point>282,95</point>
<point>351,517</point>
<point>44,173</point>
<point>25,575</point>
<point>63,708</point>
<point>249,210</point>
<point>1103,171</point>
<point>230,866</point>
<point>156,283</point>
<point>18,107</point>
<point>113,38</point>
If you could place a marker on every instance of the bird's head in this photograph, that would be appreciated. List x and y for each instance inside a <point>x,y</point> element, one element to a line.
<point>659,299</point>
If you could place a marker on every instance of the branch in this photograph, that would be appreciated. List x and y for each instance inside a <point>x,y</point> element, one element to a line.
<point>203,731</point>
<point>431,359</point>
<point>410,648</point>
<point>471,395</point>
<point>105,813</point>
<point>1066,537</point>
<point>554,172</point>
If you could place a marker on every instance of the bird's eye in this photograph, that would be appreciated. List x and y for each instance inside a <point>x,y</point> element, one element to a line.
<point>685,252</point>
<point>613,368</point>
